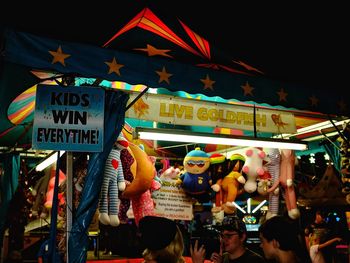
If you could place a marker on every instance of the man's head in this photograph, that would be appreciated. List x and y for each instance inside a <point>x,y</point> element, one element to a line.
<point>233,234</point>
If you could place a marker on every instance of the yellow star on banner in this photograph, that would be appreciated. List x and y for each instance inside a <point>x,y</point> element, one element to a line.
<point>114,67</point>
<point>59,56</point>
<point>208,83</point>
<point>248,90</point>
<point>342,105</point>
<point>282,95</point>
<point>314,100</point>
<point>164,76</point>
<point>152,51</point>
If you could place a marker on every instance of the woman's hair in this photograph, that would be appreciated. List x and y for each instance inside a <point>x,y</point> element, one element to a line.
<point>170,254</point>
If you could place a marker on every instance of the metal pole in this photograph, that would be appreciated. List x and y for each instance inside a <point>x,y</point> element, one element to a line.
<point>69,198</point>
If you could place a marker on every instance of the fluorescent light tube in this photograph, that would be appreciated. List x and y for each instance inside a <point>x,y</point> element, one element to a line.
<point>220,139</point>
<point>48,161</point>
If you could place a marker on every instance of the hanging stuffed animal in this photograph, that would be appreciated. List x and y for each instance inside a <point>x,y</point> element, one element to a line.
<point>286,180</point>
<point>217,170</point>
<point>129,168</point>
<point>113,182</point>
<point>231,182</point>
<point>143,204</point>
<point>196,181</point>
<point>273,166</point>
<point>253,167</point>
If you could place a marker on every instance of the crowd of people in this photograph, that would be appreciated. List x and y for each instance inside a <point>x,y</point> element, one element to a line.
<point>280,241</point>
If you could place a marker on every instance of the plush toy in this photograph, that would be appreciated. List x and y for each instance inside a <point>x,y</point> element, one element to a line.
<point>231,181</point>
<point>196,181</point>
<point>39,193</point>
<point>217,171</point>
<point>143,204</point>
<point>286,180</point>
<point>264,181</point>
<point>273,166</point>
<point>143,174</point>
<point>129,169</point>
<point>253,167</point>
<point>171,174</point>
<point>50,188</point>
<point>113,182</point>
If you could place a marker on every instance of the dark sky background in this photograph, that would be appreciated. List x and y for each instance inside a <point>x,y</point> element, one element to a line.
<point>297,43</point>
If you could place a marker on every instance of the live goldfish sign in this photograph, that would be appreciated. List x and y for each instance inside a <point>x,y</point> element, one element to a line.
<point>174,110</point>
<point>68,118</point>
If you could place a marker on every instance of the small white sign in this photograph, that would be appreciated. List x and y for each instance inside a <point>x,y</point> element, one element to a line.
<point>172,202</point>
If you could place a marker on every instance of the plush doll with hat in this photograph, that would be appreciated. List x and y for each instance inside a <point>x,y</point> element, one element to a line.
<point>230,184</point>
<point>217,170</point>
<point>113,182</point>
<point>196,181</point>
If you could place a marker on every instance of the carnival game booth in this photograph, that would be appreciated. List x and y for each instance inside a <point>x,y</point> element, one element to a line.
<point>82,94</point>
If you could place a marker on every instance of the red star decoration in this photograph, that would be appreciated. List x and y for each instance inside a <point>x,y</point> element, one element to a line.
<point>282,95</point>
<point>208,83</point>
<point>164,75</point>
<point>114,67</point>
<point>248,90</point>
<point>314,100</point>
<point>59,56</point>
<point>152,51</point>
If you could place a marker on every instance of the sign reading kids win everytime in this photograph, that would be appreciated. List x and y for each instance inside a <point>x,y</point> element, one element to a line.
<point>68,118</point>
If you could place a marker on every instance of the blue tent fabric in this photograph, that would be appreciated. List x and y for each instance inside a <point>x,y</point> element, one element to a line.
<point>115,105</point>
<point>10,163</point>
<point>91,61</point>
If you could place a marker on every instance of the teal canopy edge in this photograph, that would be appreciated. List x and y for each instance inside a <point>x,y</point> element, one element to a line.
<point>91,61</point>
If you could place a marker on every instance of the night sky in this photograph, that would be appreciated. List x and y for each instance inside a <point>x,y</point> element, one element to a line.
<point>296,43</point>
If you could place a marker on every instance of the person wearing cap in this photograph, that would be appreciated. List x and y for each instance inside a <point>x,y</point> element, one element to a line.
<point>280,241</point>
<point>162,240</point>
<point>233,249</point>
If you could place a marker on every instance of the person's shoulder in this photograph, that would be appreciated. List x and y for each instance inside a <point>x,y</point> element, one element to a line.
<point>255,257</point>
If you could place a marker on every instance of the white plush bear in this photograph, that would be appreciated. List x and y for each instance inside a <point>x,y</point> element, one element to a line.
<point>253,167</point>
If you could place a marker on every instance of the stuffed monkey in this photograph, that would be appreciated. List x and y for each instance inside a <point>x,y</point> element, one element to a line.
<point>113,181</point>
<point>286,180</point>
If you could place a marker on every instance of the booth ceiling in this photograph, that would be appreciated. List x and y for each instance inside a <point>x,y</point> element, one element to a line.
<point>158,51</point>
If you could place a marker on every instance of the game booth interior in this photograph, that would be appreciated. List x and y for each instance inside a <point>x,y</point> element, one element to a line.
<point>76,103</point>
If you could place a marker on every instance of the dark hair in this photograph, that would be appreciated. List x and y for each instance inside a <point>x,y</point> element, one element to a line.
<point>286,233</point>
<point>233,223</point>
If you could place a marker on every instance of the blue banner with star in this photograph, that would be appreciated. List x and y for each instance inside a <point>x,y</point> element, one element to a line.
<point>113,65</point>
